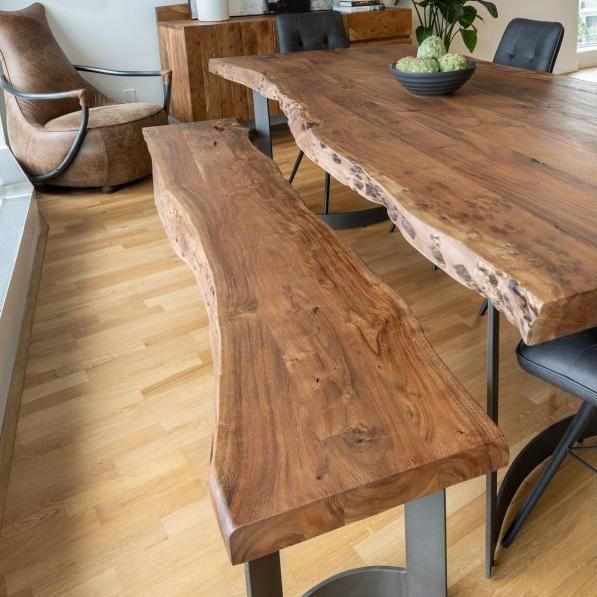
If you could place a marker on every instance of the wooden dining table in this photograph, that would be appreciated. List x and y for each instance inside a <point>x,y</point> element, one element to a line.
<point>496,184</point>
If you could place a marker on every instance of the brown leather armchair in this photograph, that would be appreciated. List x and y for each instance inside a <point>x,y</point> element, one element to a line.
<point>61,128</point>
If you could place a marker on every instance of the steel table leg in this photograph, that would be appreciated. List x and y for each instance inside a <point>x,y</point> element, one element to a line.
<point>338,220</point>
<point>262,124</point>
<point>493,380</point>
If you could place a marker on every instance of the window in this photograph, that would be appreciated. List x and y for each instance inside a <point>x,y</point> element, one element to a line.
<point>587,24</point>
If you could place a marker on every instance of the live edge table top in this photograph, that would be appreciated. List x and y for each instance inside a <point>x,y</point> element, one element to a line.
<point>497,185</point>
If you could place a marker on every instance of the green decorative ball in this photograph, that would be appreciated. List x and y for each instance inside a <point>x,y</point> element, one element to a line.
<point>424,65</point>
<point>432,47</point>
<point>404,64</point>
<point>451,62</point>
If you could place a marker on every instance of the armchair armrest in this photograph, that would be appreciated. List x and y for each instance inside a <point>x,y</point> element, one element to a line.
<point>81,94</point>
<point>72,151</point>
<point>165,74</point>
<point>119,73</point>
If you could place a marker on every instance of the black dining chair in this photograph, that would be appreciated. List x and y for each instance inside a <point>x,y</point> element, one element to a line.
<point>569,363</point>
<point>533,45</point>
<point>303,31</point>
<point>530,44</point>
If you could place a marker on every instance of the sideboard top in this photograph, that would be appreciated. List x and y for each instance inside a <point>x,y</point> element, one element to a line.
<point>177,17</point>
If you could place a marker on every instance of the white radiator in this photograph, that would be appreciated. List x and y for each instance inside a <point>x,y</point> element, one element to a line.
<point>19,232</point>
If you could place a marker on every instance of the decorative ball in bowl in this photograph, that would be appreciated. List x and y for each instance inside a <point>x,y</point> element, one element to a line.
<point>433,72</point>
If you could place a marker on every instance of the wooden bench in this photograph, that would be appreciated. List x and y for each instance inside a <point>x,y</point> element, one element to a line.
<point>331,404</point>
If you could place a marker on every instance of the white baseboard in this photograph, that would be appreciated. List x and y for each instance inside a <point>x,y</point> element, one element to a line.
<point>587,58</point>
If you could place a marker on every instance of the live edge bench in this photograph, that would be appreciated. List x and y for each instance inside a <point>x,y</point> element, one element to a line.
<point>331,404</point>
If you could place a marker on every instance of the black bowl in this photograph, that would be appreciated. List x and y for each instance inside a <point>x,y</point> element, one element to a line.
<point>434,84</point>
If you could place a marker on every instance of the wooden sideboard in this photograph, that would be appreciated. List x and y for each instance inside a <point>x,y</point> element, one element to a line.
<point>186,47</point>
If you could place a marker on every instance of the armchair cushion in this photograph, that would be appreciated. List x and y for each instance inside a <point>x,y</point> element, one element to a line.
<point>112,154</point>
<point>103,116</point>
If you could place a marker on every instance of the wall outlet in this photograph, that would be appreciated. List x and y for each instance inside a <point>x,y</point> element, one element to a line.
<point>130,95</point>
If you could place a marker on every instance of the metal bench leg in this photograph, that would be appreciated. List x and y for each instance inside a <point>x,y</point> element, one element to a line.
<point>425,574</point>
<point>263,577</point>
<point>262,124</point>
<point>426,566</point>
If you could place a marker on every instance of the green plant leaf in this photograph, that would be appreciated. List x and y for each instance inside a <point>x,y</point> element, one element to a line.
<point>468,17</point>
<point>490,6</point>
<point>450,9</point>
<point>469,36</point>
<point>423,33</point>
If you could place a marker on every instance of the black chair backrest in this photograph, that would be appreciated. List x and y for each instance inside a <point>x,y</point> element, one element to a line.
<point>310,31</point>
<point>530,44</point>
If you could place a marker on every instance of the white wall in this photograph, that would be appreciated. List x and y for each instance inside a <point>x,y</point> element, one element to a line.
<point>122,34</point>
<point>490,32</point>
<point>109,33</point>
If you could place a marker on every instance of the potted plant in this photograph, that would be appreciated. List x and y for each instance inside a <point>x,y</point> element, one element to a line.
<point>448,18</point>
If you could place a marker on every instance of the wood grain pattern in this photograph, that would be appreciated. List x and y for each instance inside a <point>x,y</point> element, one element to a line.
<point>172,12</point>
<point>107,492</point>
<point>386,26</point>
<point>331,405</point>
<point>186,47</point>
<point>496,185</point>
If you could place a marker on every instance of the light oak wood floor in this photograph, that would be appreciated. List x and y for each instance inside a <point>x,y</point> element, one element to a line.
<point>107,492</point>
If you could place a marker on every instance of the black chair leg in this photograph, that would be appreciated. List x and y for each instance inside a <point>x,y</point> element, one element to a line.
<point>326,188</point>
<point>575,430</point>
<point>326,194</point>
<point>434,267</point>
<point>483,308</point>
<point>297,163</point>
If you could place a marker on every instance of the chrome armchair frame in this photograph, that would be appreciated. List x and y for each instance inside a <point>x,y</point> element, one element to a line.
<point>165,74</point>
<point>70,155</point>
<point>81,94</point>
